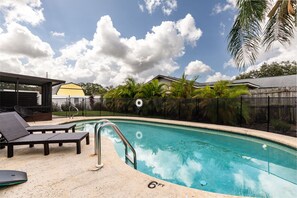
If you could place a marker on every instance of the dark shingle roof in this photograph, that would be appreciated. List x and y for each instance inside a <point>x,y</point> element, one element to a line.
<point>269,82</point>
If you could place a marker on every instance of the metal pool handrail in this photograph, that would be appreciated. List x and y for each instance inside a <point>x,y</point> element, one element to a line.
<point>96,139</point>
<point>122,137</point>
<point>75,113</point>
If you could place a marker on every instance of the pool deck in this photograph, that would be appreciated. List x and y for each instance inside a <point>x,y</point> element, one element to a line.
<point>63,173</point>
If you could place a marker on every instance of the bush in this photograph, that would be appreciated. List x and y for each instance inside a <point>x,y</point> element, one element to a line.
<point>79,106</point>
<point>55,107</point>
<point>96,106</point>
<point>65,106</point>
<point>280,125</point>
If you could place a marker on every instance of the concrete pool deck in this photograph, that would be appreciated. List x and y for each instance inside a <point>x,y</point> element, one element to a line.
<point>63,173</point>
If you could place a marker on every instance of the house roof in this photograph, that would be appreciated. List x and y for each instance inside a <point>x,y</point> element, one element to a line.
<point>68,89</point>
<point>172,79</point>
<point>232,84</point>
<point>198,85</point>
<point>28,80</point>
<point>272,82</point>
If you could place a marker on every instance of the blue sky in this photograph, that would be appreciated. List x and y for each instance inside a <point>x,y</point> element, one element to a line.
<point>108,40</point>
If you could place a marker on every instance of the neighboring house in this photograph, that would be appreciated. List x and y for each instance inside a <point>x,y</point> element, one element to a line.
<point>168,80</point>
<point>69,91</point>
<point>279,86</point>
<point>73,93</point>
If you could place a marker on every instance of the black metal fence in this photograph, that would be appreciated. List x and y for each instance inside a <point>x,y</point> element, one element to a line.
<point>268,114</point>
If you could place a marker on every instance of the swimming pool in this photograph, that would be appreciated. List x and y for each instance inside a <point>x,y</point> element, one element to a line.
<point>209,160</point>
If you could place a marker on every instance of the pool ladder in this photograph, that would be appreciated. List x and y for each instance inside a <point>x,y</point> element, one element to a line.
<point>98,127</point>
<point>75,113</point>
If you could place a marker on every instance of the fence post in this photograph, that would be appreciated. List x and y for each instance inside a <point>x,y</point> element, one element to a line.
<point>240,124</point>
<point>85,107</point>
<point>268,112</point>
<point>217,110</point>
<point>164,114</point>
<point>100,107</point>
<point>114,106</point>
<point>179,101</point>
<point>197,109</point>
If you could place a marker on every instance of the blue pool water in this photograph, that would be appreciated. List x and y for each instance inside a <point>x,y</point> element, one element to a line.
<point>227,163</point>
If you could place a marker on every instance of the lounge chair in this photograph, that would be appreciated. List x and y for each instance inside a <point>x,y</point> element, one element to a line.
<point>42,128</point>
<point>15,133</point>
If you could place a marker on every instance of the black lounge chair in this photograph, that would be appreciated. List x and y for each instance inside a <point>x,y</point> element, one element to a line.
<point>42,128</point>
<point>15,134</point>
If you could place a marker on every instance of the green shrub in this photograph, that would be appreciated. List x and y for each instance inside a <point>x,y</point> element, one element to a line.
<point>65,106</point>
<point>96,106</point>
<point>280,125</point>
<point>55,107</point>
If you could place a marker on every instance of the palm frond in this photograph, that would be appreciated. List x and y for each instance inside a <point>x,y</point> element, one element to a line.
<point>280,27</point>
<point>244,38</point>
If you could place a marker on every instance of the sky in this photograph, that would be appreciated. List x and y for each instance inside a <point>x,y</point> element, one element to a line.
<point>106,41</point>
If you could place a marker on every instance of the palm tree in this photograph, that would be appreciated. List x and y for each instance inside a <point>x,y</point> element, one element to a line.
<point>152,92</point>
<point>179,104</point>
<point>245,36</point>
<point>183,88</point>
<point>152,89</point>
<point>130,88</point>
<point>228,102</point>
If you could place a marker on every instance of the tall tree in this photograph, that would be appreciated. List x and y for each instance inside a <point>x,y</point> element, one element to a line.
<point>273,69</point>
<point>245,35</point>
<point>93,88</point>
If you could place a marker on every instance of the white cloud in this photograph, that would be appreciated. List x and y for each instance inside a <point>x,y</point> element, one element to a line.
<point>229,5</point>
<point>28,11</point>
<point>230,63</point>
<point>107,59</point>
<point>75,51</point>
<point>188,29</point>
<point>197,67</point>
<point>10,64</point>
<point>217,76</point>
<point>167,6</point>
<point>141,7</point>
<point>107,39</point>
<point>19,41</point>
<point>57,34</point>
<point>222,29</point>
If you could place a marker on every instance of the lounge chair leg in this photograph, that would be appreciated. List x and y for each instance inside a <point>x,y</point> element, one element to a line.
<point>60,144</point>
<point>88,140</point>
<point>9,151</point>
<point>73,129</point>
<point>46,149</point>
<point>78,147</point>
<point>31,145</point>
